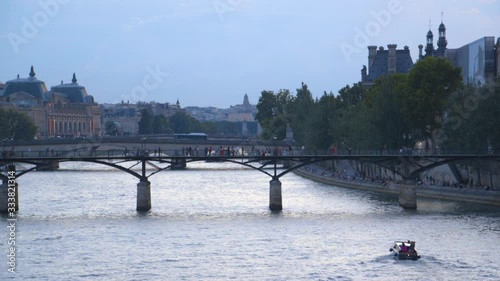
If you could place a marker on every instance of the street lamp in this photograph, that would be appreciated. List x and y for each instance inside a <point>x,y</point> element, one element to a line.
<point>275,155</point>
<point>275,146</point>
<point>407,138</point>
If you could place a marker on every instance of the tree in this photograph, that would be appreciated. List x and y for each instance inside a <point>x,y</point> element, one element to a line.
<point>320,126</point>
<point>429,85</point>
<point>267,102</point>
<point>471,118</point>
<point>146,123</point>
<point>273,113</point>
<point>348,125</point>
<point>16,125</point>
<point>300,109</point>
<point>384,104</point>
<point>160,124</point>
<point>112,128</point>
<point>182,123</point>
<point>351,96</point>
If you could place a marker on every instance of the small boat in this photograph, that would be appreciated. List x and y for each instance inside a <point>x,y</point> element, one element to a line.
<point>404,250</point>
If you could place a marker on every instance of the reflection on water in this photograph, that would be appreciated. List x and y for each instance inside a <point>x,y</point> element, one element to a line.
<point>212,222</point>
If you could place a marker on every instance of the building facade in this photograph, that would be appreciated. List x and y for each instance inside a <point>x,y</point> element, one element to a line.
<point>126,116</point>
<point>66,110</point>
<point>241,113</point>
<point>384,62</point>
<point>478,60</point>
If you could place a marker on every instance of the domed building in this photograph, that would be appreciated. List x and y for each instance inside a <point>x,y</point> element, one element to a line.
<point>65,110</point>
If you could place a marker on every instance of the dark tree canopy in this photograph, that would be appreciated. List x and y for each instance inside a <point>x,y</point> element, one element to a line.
<point>146,123</point>
<point>112,128</point>
<point>16,125</point>
<point>396,111</point>
<point>429,85</point>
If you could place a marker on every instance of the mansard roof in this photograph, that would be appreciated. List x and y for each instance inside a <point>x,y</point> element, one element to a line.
<point>73,91</point>
<point>30,85</point>
<point>380,66</point>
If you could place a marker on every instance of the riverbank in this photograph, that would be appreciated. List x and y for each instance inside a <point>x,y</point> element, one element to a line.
<point>472,195</point>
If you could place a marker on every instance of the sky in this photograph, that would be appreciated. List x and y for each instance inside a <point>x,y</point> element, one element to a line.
<point>213,52</point>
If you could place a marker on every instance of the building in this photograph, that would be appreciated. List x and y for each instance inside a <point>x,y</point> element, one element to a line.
<point>127,116</point>
<point>65,110</point>
<point>383,62</point>
<point>478,60</point>
<point>241,113</point>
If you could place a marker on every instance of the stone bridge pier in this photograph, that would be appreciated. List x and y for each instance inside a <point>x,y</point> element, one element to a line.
<point>143,196</point>
<point>275,201</point>
<point>9,192</point>
<point>408,195</point>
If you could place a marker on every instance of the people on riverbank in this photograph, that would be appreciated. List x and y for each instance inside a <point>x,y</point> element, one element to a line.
<point>358,177</point>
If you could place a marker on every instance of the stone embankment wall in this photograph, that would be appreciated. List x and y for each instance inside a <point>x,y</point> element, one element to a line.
<point>473,195</point>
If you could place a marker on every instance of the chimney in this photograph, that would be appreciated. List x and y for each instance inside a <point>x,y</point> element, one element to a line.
<point>391,59</point>
<point>372,52</point>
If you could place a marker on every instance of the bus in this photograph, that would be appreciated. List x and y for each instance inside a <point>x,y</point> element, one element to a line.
<point>191,136</point>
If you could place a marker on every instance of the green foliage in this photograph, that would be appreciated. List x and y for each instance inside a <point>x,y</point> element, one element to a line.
<point>112,128</point>
<point>146,123</point>
<point>472,118</point>
<point>183,123</point>
<point>16,125</point>
<point>301,107</point>
<point>323,112</point>
<point>160,125</point>
<point>273,113</point>
<point>384,107</point>
<point>349,126</point>
<point>351,96</point>
<point>429,85</point>
<point>418,104</point>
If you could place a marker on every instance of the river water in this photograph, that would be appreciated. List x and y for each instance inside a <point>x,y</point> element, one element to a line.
<point>212,222</point>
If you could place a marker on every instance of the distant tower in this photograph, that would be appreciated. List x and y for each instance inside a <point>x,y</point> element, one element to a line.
<point>429,48</point>
<point>74,78</point>
<point>245,100</point>
<point>32,72</point>
<point>442,39</point>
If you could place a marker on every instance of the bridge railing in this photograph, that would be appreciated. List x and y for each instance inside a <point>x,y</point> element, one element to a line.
<point>279,151</point>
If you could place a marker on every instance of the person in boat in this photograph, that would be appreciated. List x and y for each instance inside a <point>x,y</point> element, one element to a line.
<point>403,247</point>
<point>412,246</point>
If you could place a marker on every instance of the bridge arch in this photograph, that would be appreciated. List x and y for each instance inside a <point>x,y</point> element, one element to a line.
<point>38,165</point>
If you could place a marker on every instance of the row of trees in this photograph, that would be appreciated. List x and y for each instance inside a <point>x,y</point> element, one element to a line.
<point>180,123</point>
<point>429,104</point>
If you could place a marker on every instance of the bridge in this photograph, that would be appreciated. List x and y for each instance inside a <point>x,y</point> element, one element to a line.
<point>275,165</point>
